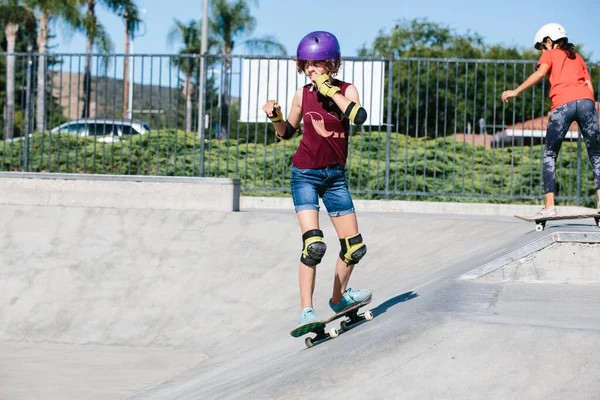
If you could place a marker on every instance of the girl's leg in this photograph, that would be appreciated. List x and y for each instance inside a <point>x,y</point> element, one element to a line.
<point>305,194</point>
<point>548,200</point>
<point>309,219</point>
<point>587,119</point>
<point>345,226</point>
<point>340,207</point>
<point>558,125</point>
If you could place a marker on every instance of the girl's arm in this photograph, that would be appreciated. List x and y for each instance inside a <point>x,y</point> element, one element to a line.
<point>285,129</point>
<point>529,82</point>
<point>348,103</point>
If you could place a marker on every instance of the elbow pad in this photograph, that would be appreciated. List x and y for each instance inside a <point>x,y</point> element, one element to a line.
<point>356,114</point>
<point>290,132</point>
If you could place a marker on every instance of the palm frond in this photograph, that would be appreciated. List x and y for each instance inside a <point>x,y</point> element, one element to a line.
<point>265,45</point>
<point>103,42</point>
<point>232,23</point>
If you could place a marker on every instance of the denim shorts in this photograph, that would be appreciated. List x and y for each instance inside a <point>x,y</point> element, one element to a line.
<point>329,183</point>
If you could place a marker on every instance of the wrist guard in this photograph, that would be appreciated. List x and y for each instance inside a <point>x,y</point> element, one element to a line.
<point>276,117</point>
<point>325,87</point>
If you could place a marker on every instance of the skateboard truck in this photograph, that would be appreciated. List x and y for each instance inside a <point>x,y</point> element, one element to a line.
<point>321,335</point>
<point>354,318</point>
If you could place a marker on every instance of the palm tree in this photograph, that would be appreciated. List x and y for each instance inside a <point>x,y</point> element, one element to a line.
<point>12,14</point>
<point>97,37</point>
<point>44,12</point>
<point>131,17</point>
<point>189,37</point>
<point>230,21</point>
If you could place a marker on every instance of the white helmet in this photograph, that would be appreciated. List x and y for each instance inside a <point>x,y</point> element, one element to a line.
<point>553,31</point>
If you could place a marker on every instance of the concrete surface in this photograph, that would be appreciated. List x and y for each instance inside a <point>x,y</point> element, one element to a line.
<point>57,371</point>
<point>130,303</point>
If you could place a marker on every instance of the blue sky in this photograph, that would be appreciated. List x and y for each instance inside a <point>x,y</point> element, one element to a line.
<point>358,22</point>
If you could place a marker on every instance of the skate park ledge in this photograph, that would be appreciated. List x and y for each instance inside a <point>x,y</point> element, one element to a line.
<point>120,191</point>
<point>560,257</point>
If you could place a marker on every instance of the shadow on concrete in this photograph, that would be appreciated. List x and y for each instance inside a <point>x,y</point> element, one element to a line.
<point>401,298</point>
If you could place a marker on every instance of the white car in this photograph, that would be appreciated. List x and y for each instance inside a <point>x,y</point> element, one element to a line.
<point>106,130</point>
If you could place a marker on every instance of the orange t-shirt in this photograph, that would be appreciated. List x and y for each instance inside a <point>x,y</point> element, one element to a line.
<point>567,77</point>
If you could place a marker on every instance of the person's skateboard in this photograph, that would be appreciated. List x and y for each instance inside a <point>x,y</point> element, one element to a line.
<point>540,222</point>
<point>318,327</point>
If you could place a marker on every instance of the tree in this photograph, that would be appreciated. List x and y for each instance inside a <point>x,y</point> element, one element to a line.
<point>12,14</point>
<point>230,21</point>
<point>188,35</point>
<point>131,17</point>
<point>97,37</point>
<point>439,85</point>
<point>44,11</point>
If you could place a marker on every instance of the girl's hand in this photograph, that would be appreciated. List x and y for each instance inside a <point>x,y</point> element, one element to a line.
<point>272,109</point>
<point>315,75</point>
<point>508,94</point>
<point>325,87</point>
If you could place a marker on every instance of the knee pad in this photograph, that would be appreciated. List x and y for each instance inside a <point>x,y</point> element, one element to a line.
<point>353,249</point>
<point>314,247</point>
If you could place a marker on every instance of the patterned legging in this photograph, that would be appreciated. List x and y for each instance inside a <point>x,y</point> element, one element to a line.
<point>584,112</point>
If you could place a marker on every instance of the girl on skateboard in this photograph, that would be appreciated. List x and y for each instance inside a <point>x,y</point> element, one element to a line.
<point>572,96</point>
<point>326,106</point>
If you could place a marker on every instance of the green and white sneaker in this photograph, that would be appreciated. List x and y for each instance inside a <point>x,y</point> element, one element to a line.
<point>308,321</point>
<point>308,315</point>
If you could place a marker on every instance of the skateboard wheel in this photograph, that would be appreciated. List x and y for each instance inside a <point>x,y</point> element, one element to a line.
<point>539,227</point>
<point>333,333</point>
<point>368,315</point>
<point>343,325</point>
<point>308,342</point>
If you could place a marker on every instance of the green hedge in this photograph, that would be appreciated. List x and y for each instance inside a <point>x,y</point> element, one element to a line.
<point>427,169</point>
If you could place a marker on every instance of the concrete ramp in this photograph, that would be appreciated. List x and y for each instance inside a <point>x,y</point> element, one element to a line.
<point>192,280</point>
<point>176,279</point>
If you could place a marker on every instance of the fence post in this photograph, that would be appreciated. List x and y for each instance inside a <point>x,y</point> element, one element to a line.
<point>27,112</point>
<point>389,125</point>
<point>202,109</point>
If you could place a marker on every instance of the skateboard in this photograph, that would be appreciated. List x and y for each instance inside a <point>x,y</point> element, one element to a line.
<point>540,222</point>
<point>352,317</point>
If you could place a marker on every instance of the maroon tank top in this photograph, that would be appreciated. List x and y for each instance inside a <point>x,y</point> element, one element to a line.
<point>325,138</point>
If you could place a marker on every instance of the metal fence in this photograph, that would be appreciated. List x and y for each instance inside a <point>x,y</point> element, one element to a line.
<point>437,128</point>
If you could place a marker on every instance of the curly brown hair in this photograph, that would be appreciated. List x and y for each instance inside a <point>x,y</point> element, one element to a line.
<point>332,66</point>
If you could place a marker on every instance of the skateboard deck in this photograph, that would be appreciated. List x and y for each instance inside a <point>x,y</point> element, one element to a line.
<point>540,222</point>
<point>318,327</point>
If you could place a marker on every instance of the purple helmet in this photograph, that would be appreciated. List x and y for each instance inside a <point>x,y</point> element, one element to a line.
<point>319,45</point>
